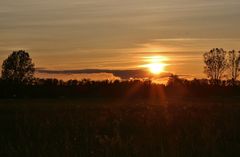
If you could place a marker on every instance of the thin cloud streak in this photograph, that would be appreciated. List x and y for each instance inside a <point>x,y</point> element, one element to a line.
<point>123,74</point>
<point>196,39</point>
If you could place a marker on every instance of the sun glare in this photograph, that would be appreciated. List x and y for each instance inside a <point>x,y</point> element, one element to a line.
<point>155,64</point>
<point>156,68</point>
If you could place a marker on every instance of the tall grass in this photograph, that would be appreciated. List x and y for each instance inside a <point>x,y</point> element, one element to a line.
<point>100,128</point>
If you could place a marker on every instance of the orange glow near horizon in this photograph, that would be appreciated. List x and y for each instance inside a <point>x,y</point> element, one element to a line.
<point>155,64</point>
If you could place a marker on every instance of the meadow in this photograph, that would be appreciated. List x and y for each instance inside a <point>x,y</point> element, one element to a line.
<point>91,127</point>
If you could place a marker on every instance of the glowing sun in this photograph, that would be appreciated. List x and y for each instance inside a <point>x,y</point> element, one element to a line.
<point>155,64</point>
<point>156,68</point>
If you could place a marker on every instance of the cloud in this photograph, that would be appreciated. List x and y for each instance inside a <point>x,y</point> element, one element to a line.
<point>105,74</point>
<point>123,74</point>
<point>66,77</point>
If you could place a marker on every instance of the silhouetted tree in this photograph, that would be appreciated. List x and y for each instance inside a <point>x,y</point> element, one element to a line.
<point>18,67</point>
<point>215,63</point>
<point>174,80</point>
<point>234,64</point>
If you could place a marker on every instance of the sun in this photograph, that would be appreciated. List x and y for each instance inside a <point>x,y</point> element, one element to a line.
<point>156,68</point>
<point>155,64</point>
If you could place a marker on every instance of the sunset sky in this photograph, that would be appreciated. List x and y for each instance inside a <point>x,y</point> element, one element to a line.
<point>118,34</point>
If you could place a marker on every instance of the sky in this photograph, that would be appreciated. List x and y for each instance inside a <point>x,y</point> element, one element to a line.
<point>118,34</point>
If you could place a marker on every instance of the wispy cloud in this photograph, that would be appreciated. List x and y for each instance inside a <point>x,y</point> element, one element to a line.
<point>197,39</point>
<point>123,74</point>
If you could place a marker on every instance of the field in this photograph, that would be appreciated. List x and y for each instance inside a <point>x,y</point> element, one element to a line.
<point>120,128</point>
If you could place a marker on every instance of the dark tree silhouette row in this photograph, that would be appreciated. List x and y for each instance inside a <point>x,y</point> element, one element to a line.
<point>18,81</point>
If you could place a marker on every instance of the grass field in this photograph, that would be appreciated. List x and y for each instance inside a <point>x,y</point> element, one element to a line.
<point>120,128</point>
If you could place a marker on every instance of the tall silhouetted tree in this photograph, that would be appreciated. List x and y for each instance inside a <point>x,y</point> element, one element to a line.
<point>18,67</point>
<point>215,63</point>
<point>234,64</point>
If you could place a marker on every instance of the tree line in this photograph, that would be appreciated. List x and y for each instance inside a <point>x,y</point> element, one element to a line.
<point>18,81</point>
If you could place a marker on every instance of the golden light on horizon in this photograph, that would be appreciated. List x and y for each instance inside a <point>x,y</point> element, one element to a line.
<point>155,64</point>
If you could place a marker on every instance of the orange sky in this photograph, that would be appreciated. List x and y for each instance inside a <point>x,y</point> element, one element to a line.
<point>110,34</point>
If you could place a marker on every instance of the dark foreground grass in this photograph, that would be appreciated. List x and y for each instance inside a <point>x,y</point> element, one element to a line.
<point>114,128</point>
